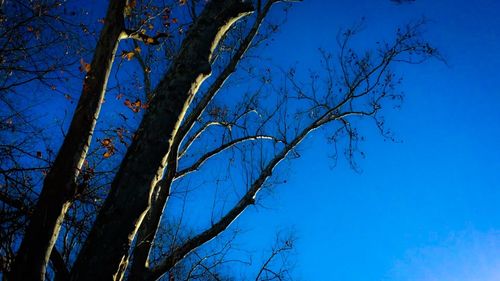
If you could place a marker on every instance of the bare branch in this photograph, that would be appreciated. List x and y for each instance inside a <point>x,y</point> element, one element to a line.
<point>220,149</point>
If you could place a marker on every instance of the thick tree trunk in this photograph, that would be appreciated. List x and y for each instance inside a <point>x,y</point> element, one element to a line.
<point>106,250</point>
<point>59,184</point>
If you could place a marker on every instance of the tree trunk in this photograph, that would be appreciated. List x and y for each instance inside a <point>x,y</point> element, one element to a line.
<point>59,185</point>
<point>106,250</point>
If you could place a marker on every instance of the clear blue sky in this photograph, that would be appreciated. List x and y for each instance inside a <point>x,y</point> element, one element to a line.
<point>424,209</point>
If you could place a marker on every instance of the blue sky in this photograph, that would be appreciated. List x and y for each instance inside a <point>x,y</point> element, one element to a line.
<point>423,209</point>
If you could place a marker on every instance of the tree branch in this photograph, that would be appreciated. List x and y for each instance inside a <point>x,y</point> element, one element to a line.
<point>218,150</point>
<point>198,133</point>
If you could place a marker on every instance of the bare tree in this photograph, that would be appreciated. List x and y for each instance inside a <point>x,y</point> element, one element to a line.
<point>253,132</point>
